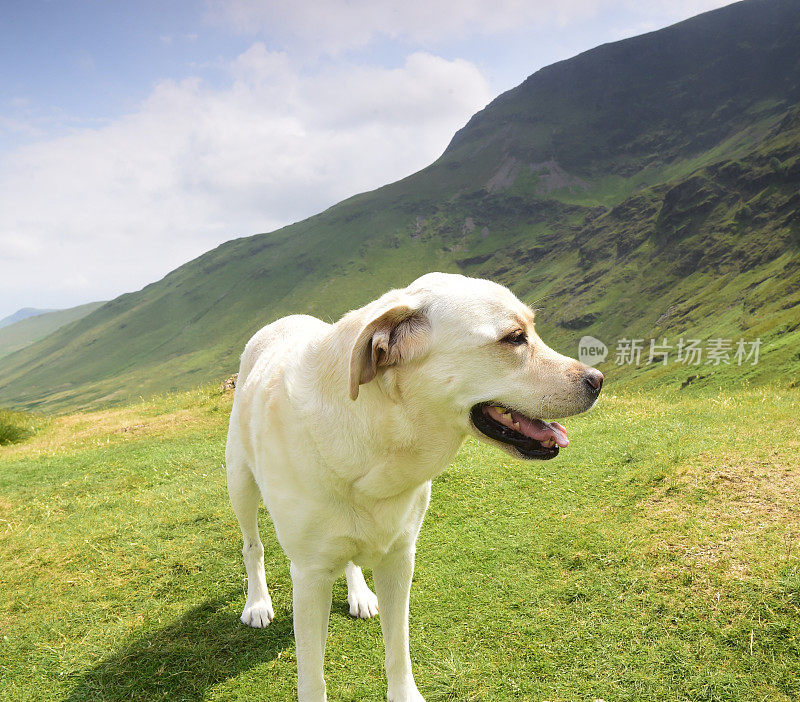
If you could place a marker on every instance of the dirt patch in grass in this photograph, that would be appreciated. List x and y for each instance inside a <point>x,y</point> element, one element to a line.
<point>755,487</point>
<point>5,506</point>
<point>130,428</point>
<point>92,424</point>
<point>729,503</point>
<point>100,427</point>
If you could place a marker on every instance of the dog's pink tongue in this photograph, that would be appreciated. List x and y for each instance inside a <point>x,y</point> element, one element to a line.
<point>540,430</point>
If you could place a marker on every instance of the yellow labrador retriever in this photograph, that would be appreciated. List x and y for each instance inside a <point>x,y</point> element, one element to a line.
<point>340,428</point>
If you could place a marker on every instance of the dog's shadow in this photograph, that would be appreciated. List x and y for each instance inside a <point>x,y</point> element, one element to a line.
<point>182,660</point>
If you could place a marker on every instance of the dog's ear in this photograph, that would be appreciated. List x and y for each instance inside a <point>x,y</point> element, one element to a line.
<point>396,335</point>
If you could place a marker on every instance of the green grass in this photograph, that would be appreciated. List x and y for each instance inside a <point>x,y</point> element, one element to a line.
<point>656,558</point>
<point>17,426</point>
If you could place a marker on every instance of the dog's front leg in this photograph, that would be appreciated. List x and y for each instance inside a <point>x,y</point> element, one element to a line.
<point>392,577</point>
<point>311,589</point>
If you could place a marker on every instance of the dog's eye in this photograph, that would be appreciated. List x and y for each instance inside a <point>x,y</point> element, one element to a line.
<point>517,338</point>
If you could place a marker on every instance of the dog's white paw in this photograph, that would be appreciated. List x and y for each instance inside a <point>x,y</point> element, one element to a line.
<point>258,614</point>
<point>363,603</point>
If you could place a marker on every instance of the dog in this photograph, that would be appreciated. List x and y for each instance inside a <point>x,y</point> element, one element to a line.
<point>340,428</point>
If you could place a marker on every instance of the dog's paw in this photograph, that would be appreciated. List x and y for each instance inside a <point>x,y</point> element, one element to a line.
<point>258,614</point>
<point>363,603</point>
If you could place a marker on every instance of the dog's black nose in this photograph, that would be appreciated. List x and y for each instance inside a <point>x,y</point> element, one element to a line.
<point>594,379</point>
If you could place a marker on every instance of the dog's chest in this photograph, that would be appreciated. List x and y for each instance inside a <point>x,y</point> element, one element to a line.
<point>385,524</point>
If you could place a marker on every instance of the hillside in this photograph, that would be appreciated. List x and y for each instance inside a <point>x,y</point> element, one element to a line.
<point>19,315</point>
<point>28,329</point>
<point>644,189</point>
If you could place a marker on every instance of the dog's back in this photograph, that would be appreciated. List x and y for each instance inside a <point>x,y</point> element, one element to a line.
<point>276,340</point>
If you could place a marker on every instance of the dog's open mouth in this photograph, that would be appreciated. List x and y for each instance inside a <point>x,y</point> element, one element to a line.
<point>532,438</point>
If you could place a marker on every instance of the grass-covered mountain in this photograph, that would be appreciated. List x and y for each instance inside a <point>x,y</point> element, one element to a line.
<point>29,328</point>
<point>645,188</point>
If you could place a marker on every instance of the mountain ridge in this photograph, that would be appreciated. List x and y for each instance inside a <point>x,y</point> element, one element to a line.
<point>32,327</point>
<point>21,314</point>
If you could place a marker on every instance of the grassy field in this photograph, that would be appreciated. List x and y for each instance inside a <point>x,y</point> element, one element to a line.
<point>658,558</point>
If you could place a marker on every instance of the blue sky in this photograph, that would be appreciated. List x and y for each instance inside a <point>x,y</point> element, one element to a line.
<point>76,63</point>
<point>136,135</point>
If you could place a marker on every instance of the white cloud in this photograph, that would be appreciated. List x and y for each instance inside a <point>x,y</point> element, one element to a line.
<point>125,203</point>
<point>332,26</point>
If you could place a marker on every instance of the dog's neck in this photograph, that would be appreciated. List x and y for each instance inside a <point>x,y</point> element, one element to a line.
<point>399,439</point>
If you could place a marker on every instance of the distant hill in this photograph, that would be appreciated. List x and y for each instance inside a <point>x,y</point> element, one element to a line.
<point>33,327</point>
<point>19,315</point>
<point>647,188</point>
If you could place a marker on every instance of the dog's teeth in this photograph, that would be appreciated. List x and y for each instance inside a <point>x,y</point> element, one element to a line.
<point>501,410</point>
<point>515,425</point>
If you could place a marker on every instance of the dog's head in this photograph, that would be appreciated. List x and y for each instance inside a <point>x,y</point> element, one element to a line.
<point>466,351</point>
